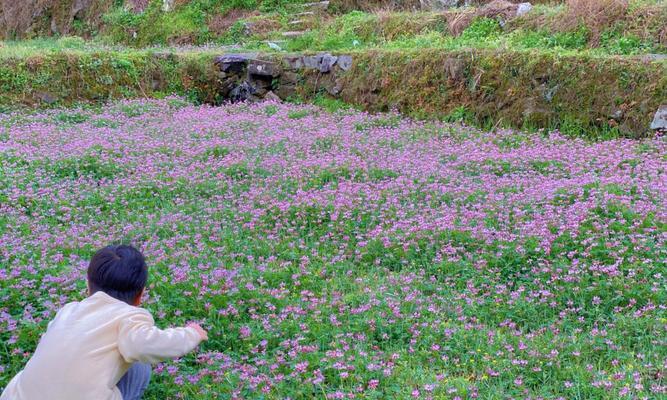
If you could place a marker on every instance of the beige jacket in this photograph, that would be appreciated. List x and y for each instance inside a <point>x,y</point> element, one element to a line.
<point>89,346</point>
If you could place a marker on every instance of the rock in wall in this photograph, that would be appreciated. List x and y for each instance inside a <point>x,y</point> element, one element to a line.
<point>522,89</point>
<point>519,89</point>
<point>250,77</point>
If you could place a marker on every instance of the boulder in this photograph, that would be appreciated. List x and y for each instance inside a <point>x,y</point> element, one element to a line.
<point>322,62</point>
<point>285,90</point>
<point>549,92</point>
<point>534,111</point>
<point>336,88</point>
<point>454,69</point>
<point>289,78</point>
<point>294,62</point>
<point>327,62</point>
<point>311,62</point>
<point>272,97</point>
<point>293,34</point>
<point>47,98</point>
<point>523,9</point>
<point>263,69</point>
<point>167,5</point>
<point>158,81</point>
<point>233,63</point>
<point>260,83</point>
<point>500,10</point>
<point>344,62</point>
<point>316,6</point>
<point>242,92</point>
<point>225,88</point>
<point>660,119</point>
<point>617,114</point>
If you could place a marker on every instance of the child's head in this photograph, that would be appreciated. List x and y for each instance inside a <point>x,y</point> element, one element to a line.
<point>120,272</point>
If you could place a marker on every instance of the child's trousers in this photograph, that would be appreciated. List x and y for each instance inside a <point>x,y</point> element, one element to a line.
<point>133,384</point>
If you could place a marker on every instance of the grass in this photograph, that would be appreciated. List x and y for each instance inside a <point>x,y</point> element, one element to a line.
<point>352,32</point>
<point>498,88</point>
<point>21,49</point>
<point>152,54</point>
<point>402,74</point>
<point>192,22</point>
<point>95,73</point>
<point>635,31</point>
<point>27,48</point>
<point>347,254</point>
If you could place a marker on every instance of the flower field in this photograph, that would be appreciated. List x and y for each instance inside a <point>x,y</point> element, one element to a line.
<point>347,255</point>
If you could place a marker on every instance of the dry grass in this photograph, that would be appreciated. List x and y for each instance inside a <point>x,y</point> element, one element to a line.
<point>180,3</point>
<point>220,23</point>
<point>483,2</point>
<point>392,25</point>
<point>648,23</point>
<point>27,18</point>
<point>460,20</point>
<point>263,26</point>
<point>595,15</point>
<point>375,5</point>
<point>138,5</point>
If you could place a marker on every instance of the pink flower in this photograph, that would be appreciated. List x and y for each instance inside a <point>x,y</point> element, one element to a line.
<point>245,331</point>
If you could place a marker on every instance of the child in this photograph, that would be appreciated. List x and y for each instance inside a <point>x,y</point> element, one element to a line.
<point>101,348</point>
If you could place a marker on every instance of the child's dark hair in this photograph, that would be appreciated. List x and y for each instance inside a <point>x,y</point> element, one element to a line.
<point>119,271</point>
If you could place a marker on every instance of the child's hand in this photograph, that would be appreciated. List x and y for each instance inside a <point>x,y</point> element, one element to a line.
<point>199,329</point>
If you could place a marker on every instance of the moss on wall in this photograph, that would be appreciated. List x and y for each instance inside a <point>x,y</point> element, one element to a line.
<point>578,94</point>
<point>64,78</point>
<point>581,95</point>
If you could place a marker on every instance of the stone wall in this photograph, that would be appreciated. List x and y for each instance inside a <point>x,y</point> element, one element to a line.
<point>251,77</point>
<point>578,94</point>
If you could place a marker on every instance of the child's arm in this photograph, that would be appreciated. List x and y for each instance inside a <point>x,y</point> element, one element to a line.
<point>140,341</point>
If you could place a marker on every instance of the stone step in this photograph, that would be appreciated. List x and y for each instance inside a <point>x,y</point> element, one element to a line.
<point>305,14</point>
<point>296,22</point>
<point>294,34</point>
<point>319,5</point>
<point>275,44</point>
